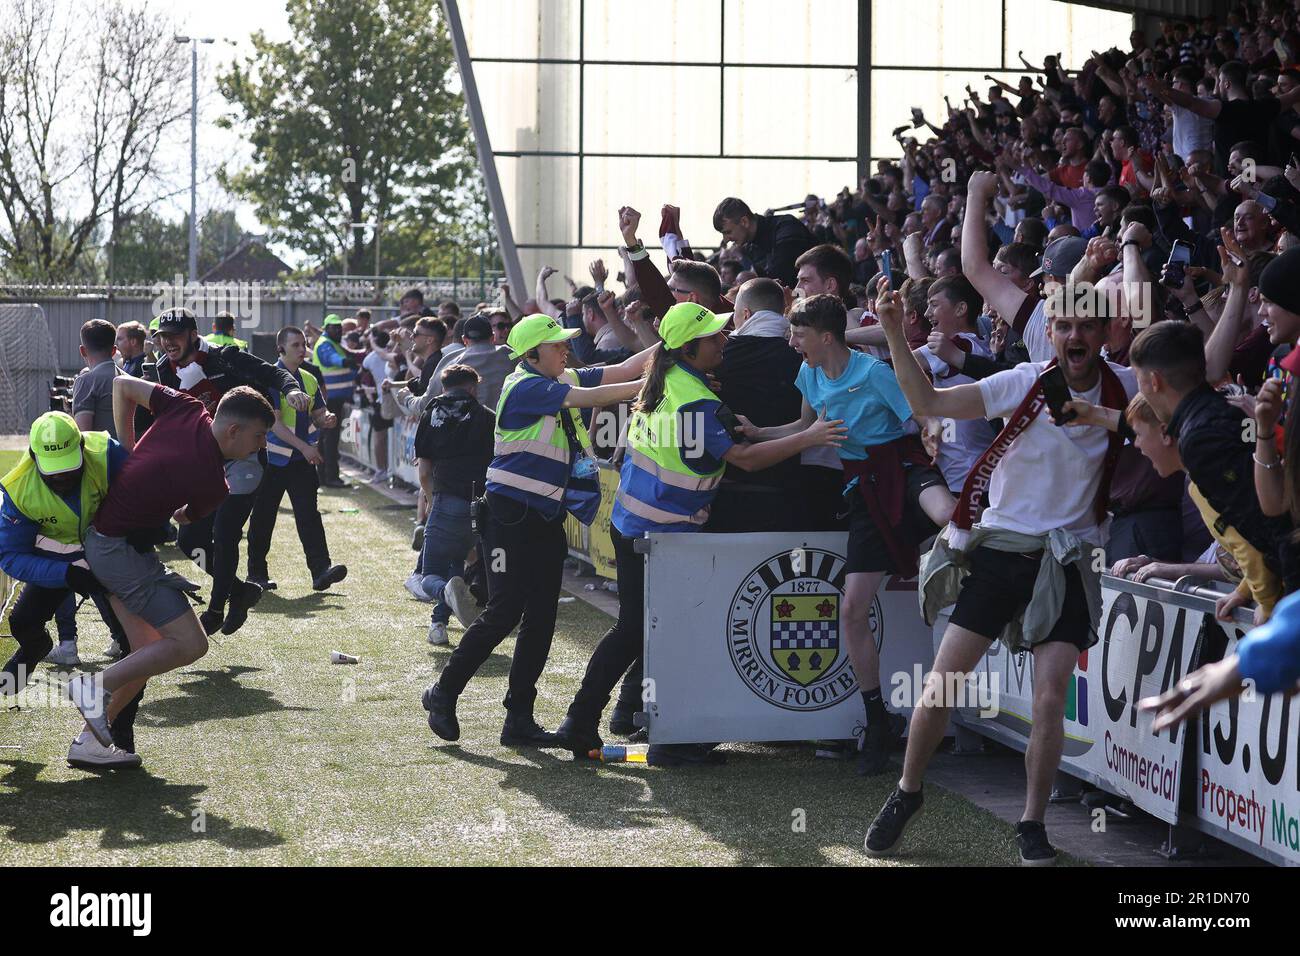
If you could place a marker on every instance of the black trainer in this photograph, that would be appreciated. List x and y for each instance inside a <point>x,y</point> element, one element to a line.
<point>520,730</point>
<point>331,575</point>
<point>878,743</point>
<point>442,712</point>
<point>243,598</point>
<point>263,582</point>
<point>886,830</point>
<point>211,621</point>
<point>578,737</point>
<point>1031,839</point>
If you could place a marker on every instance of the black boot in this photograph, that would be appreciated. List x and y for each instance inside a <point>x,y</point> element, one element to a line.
<point>521,730</point>
<point>579,737</point>
<point>881,739</point>
<point>442,712</point>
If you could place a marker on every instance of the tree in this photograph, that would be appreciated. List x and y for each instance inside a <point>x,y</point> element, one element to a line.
<point>87,96</point>
<point>150,249</point>
<point>351,120</point>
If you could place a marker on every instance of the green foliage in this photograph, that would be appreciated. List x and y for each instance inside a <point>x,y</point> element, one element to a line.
<point>357,117</point>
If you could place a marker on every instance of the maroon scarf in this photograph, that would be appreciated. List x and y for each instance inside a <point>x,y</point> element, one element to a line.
<point>972,501</point>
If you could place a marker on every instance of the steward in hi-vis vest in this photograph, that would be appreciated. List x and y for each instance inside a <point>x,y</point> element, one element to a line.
<point>50,498</point>
<point>543,467</point>
<point>678,443</point>
<point>292,456</point>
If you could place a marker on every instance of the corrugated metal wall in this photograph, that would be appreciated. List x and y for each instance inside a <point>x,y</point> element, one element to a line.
<point>66,316</point>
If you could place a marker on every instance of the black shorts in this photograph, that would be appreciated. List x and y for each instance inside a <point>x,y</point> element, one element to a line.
<point>999,587</point>
<point>867,551</point>
<point>378,422</point>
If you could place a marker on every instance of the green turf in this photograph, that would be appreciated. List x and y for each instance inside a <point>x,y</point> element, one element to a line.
<point>294,760</point>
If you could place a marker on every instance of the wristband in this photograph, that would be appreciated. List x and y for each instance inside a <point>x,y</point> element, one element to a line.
<point>1266,438</point>
<point>1265,465</point>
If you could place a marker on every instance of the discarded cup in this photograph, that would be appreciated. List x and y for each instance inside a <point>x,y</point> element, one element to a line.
<point>349,511</point>
<point>567,600</point>
<point>338,657</point>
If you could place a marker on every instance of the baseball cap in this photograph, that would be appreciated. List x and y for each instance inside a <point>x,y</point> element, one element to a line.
<point>176,320</point>
<point>687,321</point>
<point>534,330</point>
<point>476,328</point>
<point>332,319</point>
<point>243,475</point>
<point>1061,256</point>
<point>55,440</point>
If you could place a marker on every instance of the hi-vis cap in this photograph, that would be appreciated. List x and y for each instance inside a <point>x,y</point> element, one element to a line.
<point>686,321</point>
<point>332,319</point>
<point>535,330</point>
<point>55,441</point>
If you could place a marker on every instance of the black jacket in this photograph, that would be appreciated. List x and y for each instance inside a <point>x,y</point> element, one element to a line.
<point>1218,459</point>
<point>780,240</point>
<point>757,376</point>
<point>225,368</point>
<point>458,438</point>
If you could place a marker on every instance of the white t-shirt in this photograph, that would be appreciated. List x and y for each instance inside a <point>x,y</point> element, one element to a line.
<point>1049,477</point>
<point>377,366</point>
<point>970,438</point>
<point>1037,342</point>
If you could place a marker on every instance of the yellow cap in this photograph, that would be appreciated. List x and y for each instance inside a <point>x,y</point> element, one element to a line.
<point>55,440</point>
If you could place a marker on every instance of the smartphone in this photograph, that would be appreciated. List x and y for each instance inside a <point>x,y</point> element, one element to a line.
<point>1057,393</point>
<point>887,267</point>
<point>918,118</point>
<point>1180,256</point>
<point>728,420</point>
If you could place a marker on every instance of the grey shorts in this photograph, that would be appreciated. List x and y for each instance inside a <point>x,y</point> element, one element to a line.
<point>139,579</point>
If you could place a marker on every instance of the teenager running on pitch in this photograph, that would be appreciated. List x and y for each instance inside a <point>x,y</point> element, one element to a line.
<point>1023,569</point>
<point>189,364</point>
<point>676,450</point>
<point>292,456</point>
<point>896,498</point>
<point>176,472</point>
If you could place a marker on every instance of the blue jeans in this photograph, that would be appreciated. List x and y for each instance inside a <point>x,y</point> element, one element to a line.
<point>448,537</point>
<point>65,618</point>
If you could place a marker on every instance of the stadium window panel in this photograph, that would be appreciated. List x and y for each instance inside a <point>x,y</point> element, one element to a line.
<point>1046,27</point>
<point>542,195</point>
<point>676,109</point>
<point>937,33</point>
<point>529,106</point>
<point>521,29</point>
<point>779,31</point>
<point>677,31</point>
<point>776,112</point>
<point>895,92</point>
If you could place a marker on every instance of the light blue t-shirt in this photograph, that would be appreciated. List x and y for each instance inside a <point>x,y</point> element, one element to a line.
<point>866,396</point>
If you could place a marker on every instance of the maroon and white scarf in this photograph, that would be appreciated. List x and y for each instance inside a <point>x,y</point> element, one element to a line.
<point>974,492</point>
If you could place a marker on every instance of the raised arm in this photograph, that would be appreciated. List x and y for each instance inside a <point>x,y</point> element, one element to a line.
<point>543,297</point>
<point>998,291</point>
<point>128,392</point>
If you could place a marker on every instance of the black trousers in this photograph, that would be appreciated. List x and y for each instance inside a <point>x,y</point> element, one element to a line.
<point>620,648</point>
<point>299,479</point>
<point>213,543</point>
<point>524,554</point>
<point>31,613</point>
<point>328,469</point>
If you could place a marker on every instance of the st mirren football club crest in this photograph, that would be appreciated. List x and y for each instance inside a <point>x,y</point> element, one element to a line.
<point>785,634</point>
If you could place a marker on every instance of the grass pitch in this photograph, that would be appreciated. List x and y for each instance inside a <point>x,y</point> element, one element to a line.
<point>265,753</point>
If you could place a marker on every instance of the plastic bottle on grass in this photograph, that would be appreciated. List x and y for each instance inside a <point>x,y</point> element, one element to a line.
<point>620,753</point>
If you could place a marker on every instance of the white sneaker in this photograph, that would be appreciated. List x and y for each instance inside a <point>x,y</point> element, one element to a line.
<point>437,633</point>
<point>87,692</point>
<point>113,651</point>
<point>413,584</point>
<point>461,601</point>
<point>64,654</point>
<point>89,753</point>
<point>380,477</point>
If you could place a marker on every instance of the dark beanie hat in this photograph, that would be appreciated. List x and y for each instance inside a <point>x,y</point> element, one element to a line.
<point>1280,281</point>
